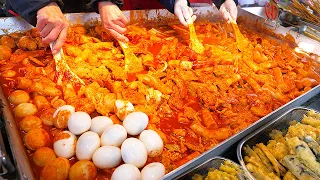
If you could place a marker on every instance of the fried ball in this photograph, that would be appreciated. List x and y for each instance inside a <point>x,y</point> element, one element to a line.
<point>47,116</point>
<point>36,138</point>
<point>5,52</point>
<point>17,97</point>
<point>24,110</point>
<point>7,41</point>
<point>56,169</point>
<point>84,170</point>
<point>30,122</point>
<point>43,155</point>
<point>41,102</point>
<point>27,42</point>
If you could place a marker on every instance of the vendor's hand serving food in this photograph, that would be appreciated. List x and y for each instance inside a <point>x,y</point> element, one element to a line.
<point>113,20</point>
<point>52,25</point>
<point>229,10</point>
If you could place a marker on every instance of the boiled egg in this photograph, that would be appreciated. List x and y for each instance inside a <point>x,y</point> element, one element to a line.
<point>135,122</point>
<point>79,122</point>
<point>134,152</point>
<point>127,172</point>
<point>100,123</point>
<point>65,144</point>
<point>107,157</point>
<point>87,144</point>
<point>153,171</point>
<point>64,107</point>
<point>152,141</point>
<point>123,108</point>
<point>114,135</point>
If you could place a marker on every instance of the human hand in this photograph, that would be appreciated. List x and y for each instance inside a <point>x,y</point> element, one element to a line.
<point>52,25</point>
<point>183,12</point>
<point>113,20</point>
<point>229,10</point>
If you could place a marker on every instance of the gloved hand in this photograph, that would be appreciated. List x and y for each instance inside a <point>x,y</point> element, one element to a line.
<point>113,20</point>
<point>229,6</point>
<point>52,25</point>
<point>183,12</point>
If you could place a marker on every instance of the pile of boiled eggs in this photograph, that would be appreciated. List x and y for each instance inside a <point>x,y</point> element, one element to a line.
<point>107,144</point>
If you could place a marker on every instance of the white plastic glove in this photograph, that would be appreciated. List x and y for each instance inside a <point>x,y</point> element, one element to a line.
<point>229,6</point>
<point>183,12</point>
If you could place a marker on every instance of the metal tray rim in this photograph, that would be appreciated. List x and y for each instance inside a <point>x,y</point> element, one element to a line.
<point>248,137</point>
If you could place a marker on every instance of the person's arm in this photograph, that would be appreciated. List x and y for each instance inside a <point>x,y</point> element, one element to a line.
<point>28,9</point>
<point>180,8</point>
<point>46,15</point>
<point>228,7</point>
<point>113,19</point>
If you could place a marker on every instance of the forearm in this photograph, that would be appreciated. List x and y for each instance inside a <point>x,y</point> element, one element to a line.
<point>94,4</point>
<point>28,9</point>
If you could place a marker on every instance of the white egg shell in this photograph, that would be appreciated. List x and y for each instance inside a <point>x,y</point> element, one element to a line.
<point>134,152</point>
<point>87,144</point>
<point>114,135</point>
<point>64,107</point>
<point>79,122</point>
<point>153,171</point>
<point>152,141</point>
<point>100,124</point>
<point>126,172</point>
<point>65,147</point>
<point>135,122</point>
<point>107,157</point>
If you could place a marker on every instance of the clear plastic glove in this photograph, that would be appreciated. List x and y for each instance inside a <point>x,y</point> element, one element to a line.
<point>113,20</point>
<point>229,7</point>
<point>183,12</point>
<point>52,25</point>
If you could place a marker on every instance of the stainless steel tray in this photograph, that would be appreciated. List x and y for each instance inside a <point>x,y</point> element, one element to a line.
<point>203,169</point>
<point>210,13</point>
<point>261,135</point>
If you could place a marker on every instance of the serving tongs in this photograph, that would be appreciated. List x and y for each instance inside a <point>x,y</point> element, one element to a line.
<point>63,70</point>
<point>132,63</point>
<point>195,44</point>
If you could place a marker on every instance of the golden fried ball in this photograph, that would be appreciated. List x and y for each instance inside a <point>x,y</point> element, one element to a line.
<point>25,109</point>
<point>7,41</point>
<point>47,116</point>
<point>84,170</point>
<point>30,122</point>
<point>36,138</point>
<point>18,97</point>
<point>56,169</point>
<point>27,42</point>
<point>5,52</point>
<point>43,155</point>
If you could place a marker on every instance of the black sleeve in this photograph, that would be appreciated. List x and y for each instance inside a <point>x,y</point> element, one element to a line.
<point>218,3</point>
<point>169,4</point>
<point>28,9</point>
<point>94,4</point>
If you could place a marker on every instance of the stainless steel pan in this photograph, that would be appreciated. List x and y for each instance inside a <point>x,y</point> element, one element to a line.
<point>9,25</point>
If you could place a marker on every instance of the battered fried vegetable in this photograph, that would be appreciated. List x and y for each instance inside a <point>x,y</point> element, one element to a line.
<point>298,169</point>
